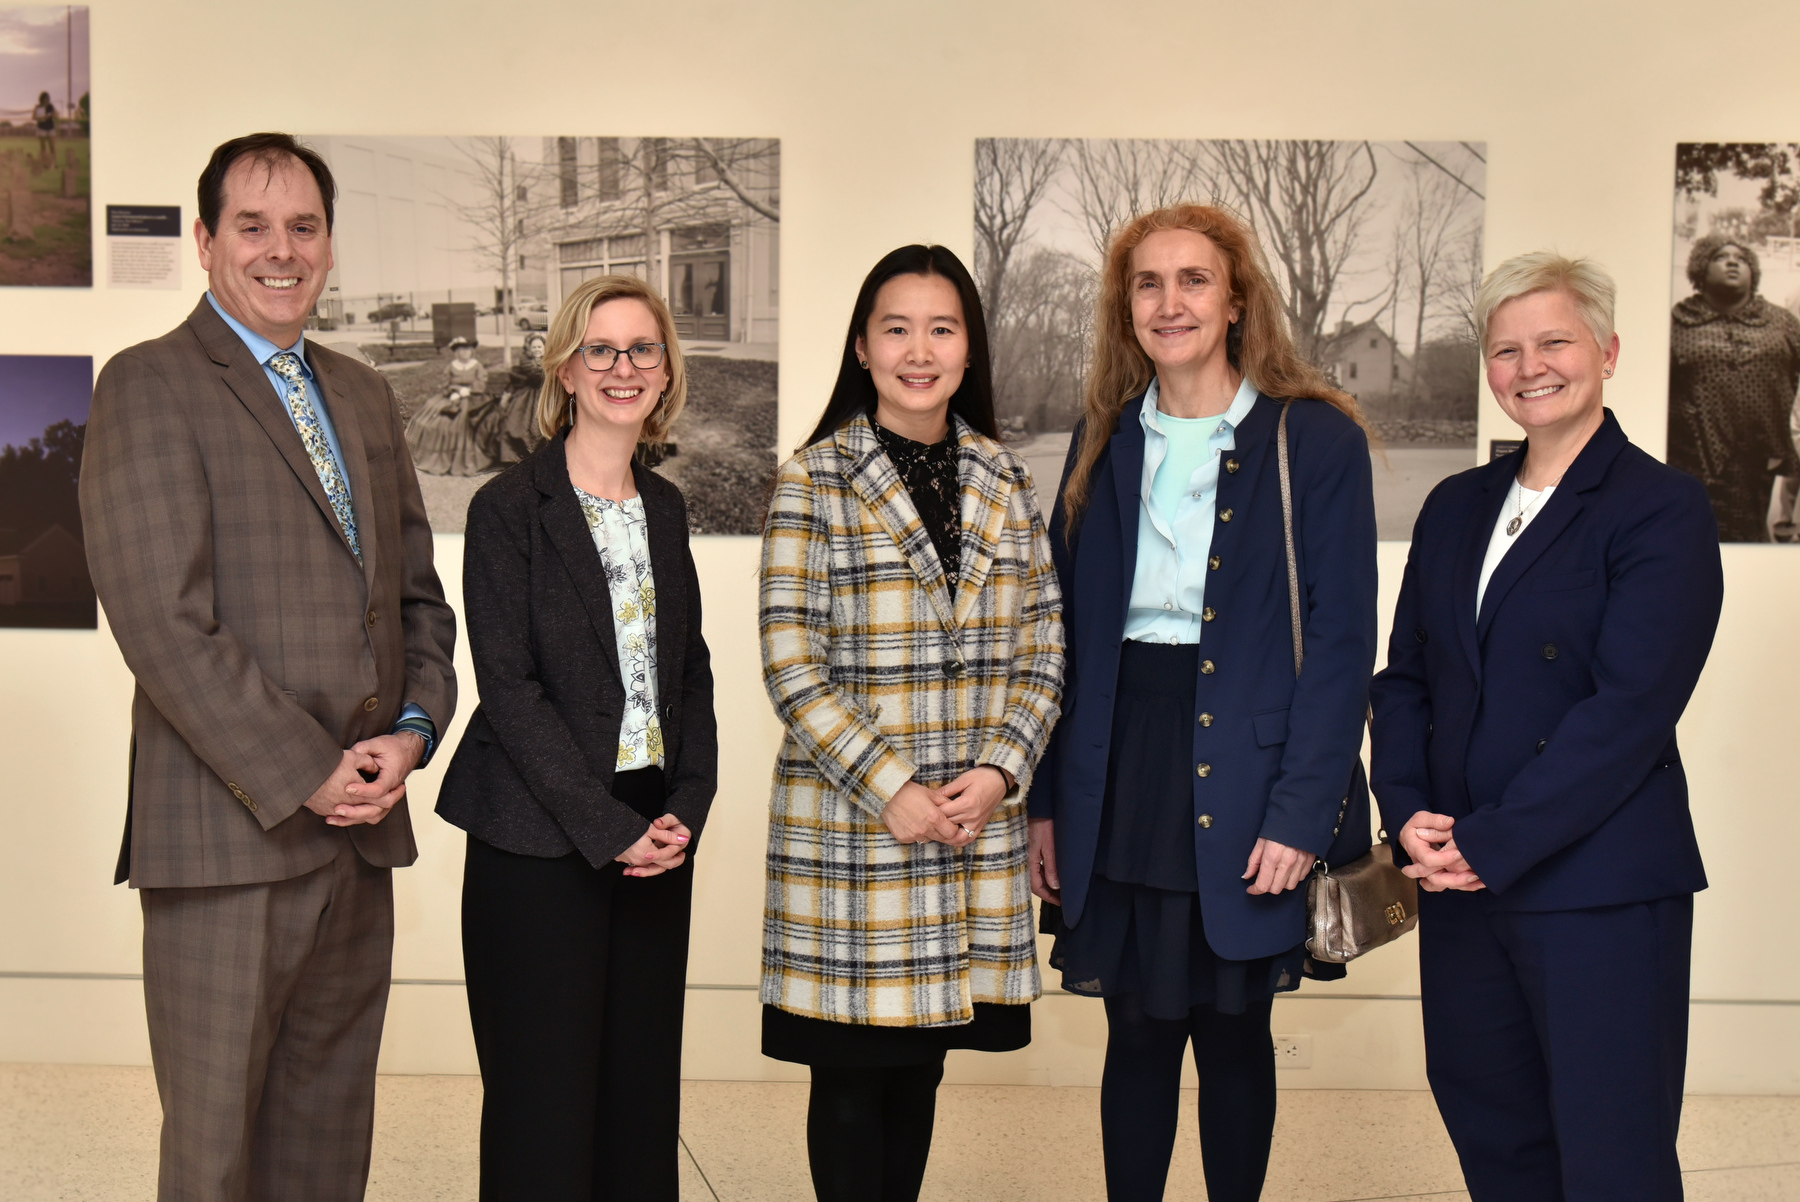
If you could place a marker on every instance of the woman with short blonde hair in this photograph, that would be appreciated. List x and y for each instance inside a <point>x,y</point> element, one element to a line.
<point>586,772</point>
<point>1557,608</point>
<point>1199,773</point>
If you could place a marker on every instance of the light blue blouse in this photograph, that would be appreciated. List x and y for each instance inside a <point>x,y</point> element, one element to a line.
<point>1176,500</point>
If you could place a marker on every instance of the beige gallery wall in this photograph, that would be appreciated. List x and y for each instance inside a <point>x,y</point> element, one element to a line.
<point>877,107</point>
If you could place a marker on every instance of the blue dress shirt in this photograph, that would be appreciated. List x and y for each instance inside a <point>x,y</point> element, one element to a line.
<point>1175,517</point>
<point>412,716</point>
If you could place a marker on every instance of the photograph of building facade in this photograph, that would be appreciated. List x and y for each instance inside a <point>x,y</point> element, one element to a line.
<point>479,239</point>
<point>1376,247</point>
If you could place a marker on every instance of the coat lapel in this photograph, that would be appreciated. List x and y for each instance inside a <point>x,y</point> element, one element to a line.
<point>567,528</point>
<point>1472,551</point>
<point>244,376</point>
<point>666,559</point>
<point>346,420</point>
<point>1583,476</point>
<point>986,490</point>
<point>1127,456</point>
<point>877,484</point>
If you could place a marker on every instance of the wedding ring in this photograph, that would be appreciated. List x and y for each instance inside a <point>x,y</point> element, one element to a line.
<point>965,830</point>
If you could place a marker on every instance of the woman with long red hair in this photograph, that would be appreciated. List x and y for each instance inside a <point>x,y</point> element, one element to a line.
<point>1201,765</point>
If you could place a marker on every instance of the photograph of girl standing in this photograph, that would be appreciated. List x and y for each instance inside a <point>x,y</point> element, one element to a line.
<point>1199,772</point>
<point>912,646</point>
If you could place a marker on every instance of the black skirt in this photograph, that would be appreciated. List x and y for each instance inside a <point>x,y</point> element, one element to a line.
<point>816,1041</point>
<point>1141,930</point>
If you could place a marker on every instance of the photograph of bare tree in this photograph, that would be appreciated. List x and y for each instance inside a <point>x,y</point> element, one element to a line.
<point>452,254</point>
<point>1734,333</point>
<point>1376,246</point>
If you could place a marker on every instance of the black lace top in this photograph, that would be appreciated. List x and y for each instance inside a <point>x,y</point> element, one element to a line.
<point>930,473</point>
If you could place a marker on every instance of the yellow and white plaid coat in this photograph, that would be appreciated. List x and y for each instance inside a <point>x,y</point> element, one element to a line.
<point>882,674</point>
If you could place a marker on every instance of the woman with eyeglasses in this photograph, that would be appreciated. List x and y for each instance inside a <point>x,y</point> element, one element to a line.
<point>586,772</point>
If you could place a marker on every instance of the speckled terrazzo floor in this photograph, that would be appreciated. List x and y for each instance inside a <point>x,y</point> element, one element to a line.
<point>79,1133</point>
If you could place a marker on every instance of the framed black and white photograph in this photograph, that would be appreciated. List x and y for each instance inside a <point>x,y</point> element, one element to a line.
<point>44,579</point>
<point>1376,247</point>
<point>46,238</point>
<point>453,254</point>
<point>1734,333</point>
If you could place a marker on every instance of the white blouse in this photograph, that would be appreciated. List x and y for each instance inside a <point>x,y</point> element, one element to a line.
<point>622,537</point>
<point>1522,503</point>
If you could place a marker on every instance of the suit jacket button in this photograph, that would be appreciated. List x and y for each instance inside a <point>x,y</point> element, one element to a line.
<point>1213,563</point>
<point>954,669</point>
<point>1204,770</point>
<point>1206,667</point>
<point>1541,744</point>
<point>371,703</point>
<point>1206,719</point>
<point>1208,614</point>
<point>1419,633</point>
<point>1232,465</point>
<point>1224,515</point>
<point>1206,822</point>
<point>1549,650</point>
<point>371,618</point>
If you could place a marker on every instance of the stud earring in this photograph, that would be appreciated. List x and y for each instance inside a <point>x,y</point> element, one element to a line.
<point>863,363</point>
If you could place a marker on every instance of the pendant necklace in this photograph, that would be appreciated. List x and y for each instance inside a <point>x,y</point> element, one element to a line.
<point>1518,520</point>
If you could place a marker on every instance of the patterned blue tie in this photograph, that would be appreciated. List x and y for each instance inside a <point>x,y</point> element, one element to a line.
<point>306,421</point>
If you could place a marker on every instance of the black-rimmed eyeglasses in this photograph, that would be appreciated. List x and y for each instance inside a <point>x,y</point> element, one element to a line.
<point>644,356</point>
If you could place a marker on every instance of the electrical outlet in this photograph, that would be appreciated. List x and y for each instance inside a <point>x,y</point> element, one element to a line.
<point>1293,1051</point>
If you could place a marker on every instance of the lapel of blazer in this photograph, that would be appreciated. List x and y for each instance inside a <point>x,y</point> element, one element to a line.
<point>244,376</point>
<point>1471,551</point>
<point>877,484</point>
<point>567,528</point>
<point>985,488</point>
<point>346,419</point>
<point>666,533</point>
<point>1127,456</point>
<point>1584,475</point>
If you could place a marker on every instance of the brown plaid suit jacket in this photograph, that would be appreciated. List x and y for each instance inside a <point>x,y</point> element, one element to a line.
<point>261,648</point>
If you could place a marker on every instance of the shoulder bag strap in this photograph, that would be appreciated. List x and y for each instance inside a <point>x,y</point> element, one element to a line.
<point>1287,529</point>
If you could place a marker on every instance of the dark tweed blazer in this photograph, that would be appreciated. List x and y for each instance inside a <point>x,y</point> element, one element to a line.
<point>261,648</point>
<point>534,770</point>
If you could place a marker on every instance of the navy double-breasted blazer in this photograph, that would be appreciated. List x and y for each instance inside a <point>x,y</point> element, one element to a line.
<point>1546,726</point>
<point>1284,753</point>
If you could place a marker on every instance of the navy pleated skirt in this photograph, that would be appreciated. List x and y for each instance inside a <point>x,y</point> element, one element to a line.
<point>1141,930</point>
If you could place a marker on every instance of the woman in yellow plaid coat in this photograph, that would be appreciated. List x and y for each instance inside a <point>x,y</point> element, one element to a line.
<point>912,645</point>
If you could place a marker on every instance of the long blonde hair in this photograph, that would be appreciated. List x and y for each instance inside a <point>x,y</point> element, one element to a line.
<point>565,334</point>
<point>1258,343</point>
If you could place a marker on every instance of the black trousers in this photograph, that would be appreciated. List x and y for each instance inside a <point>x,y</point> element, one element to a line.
<point>576,981</point>
<point>1556,1045</point>
<point>1140,1095</point>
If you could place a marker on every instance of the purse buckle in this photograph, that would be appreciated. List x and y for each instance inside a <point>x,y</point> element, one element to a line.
<point>1396,914</point>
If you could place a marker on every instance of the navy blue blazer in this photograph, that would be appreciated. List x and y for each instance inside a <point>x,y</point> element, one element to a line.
<point>1285,753</point>
<point>1546,727</point>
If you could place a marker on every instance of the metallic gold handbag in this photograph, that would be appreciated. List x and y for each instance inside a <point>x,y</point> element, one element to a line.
<point>1369,901</point>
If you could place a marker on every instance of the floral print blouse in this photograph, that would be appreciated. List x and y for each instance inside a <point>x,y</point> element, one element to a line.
<point>622,537</point>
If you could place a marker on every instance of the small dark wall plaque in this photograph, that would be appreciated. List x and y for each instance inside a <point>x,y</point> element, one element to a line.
<point>1498,447</point>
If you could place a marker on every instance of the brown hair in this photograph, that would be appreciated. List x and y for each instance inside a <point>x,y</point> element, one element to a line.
<point>564,337</point>
<point>1258,344</point>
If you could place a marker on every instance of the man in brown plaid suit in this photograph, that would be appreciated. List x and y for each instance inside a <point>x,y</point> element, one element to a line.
<point>257,537</point>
